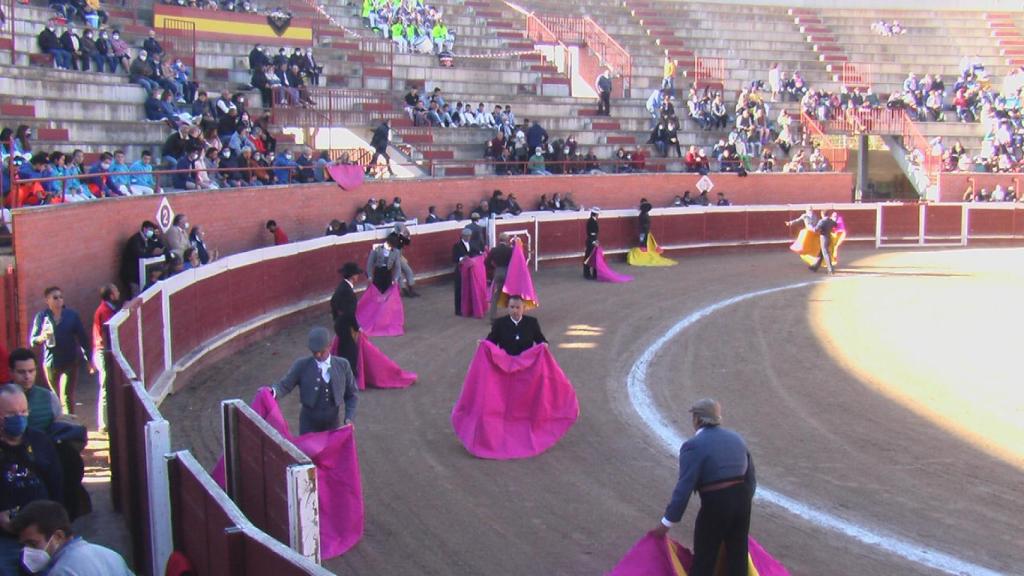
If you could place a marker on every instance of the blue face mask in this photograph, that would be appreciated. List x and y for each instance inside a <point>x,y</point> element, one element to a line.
<point>15,425</point>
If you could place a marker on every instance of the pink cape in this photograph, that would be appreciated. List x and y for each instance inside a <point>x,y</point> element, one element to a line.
<point>475,297</point>
<point>661,556</point>
<point>377,370</point>
<point>347,176</point>
<point>604,272</point>
<point>513,406</point>
<point>518,281</point>
<point>339,484</point>
<point>381,314</point>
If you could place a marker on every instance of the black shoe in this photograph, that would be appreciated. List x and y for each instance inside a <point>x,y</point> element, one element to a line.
<point>412,293</point>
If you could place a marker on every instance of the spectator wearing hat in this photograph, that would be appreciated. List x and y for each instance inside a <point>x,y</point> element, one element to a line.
<point>324,382</point>
<point>343,313</point>
<point>716,463</point>
<point>589,266</point>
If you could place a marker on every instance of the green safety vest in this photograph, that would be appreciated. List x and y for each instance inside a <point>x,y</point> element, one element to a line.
<point>440,32</point>
<point>367,8</point>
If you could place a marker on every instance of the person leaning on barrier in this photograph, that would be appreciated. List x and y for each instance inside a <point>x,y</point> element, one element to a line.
<point>324,382</point>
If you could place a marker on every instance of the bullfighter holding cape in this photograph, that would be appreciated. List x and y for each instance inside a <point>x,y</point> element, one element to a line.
<point>516,402</point>
<point>819,240</point>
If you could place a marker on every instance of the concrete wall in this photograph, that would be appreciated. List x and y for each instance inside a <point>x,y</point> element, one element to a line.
<point>79,246</point>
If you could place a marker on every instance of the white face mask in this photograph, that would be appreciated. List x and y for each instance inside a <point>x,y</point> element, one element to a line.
<point>34,559</point>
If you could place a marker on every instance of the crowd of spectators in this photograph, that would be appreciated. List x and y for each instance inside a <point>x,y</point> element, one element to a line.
<point>888,29</point>
<point>284,79</point>
<point>245,6</point>
<point>412,25</point>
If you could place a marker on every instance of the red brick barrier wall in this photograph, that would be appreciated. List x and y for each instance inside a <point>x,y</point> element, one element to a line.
<point>79,246</point>
<point>953,185</point>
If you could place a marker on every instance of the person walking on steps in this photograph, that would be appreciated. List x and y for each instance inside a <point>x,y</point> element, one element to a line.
<point>604,93</point>
<point>379,143</point>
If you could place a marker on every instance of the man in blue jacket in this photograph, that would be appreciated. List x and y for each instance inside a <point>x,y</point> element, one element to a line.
<point>716,463</point>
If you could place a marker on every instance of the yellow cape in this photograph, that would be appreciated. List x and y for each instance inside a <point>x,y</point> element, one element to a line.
<point>808,247</point>
<point>649,256</point>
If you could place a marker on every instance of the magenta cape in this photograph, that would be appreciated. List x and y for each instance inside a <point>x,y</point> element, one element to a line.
<point>348,176</point>
<point>513,406</point>
<point>475,297</point>
<point>661,556</point>
<point>381,314</point>
<point>604,272</point>
<point>339,483</point>
<point>377,370</point>
<point>518,281</point>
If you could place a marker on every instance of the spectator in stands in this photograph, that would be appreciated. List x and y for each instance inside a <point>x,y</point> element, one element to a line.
<point>767,160</point>
<point>181,75</point>
<point>44,528</point>
<point>186,180</point>
<point>432,216</point>
<point>64,9</point>
<point>143,244</point>
<point>285,168</point>
<point>141,180</point>
<point>279,235</point>
<point>289,94</point>
<point>90,53</point>
<point>32,470</point>
<point>50,44</point>
<point>458,214</point>
<point>536,163</point>
<point>536,135</point>
<point>257,58</point>
<point>152,46</point>
<point>105,53</point>
<point>603,83</point>
<point>120,50</point>
<point>296,81</point>
<point>141,72</point>
<point>441,38</point>
<point>207,176</point>
<point>98,179</point>
<point>119,177</point>
<point>309,67</point>
<point>34,194</point>
<point>176,237</point>
<point>71,188</point>
<point>305,173</point>
<point>71,42</point>
<point>43,405</point>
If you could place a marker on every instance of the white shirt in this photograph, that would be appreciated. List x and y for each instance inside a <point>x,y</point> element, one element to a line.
<point>325,369</point>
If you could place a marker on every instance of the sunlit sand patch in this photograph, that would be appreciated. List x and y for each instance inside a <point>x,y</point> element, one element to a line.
<point>940,333</point>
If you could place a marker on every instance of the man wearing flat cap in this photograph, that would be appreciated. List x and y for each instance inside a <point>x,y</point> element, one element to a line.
<point>589,266</point>
<point>324,381</point>
<point>716,463</point>
<point>343,313</point>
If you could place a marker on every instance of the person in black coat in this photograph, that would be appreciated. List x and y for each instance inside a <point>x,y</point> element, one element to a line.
<point>645,220</point>
<point>466,247</point>
<point>589,268</point>
<point>72,43</point>
<point>257,59</point>
<point>49,43</point>
<point>379,142</point>
<point>152,46</point>
<point>142,244</point>
<point>343,314</point>
<point>516,332</point>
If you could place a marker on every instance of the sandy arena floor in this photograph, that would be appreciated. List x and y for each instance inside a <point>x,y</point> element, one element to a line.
<point>888,396</point>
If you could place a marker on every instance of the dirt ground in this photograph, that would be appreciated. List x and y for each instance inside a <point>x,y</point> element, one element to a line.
<point>872,447</point>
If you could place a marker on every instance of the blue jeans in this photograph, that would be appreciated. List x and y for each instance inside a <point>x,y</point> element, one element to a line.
<point>99,60</point>
<point>61,57</point>
<point>146,83</point>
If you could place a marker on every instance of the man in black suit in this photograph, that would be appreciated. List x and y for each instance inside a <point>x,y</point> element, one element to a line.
<point>589,267</point>
<point>379,142</point>
<point>71,42</point>
<point>343,314</point>
<point>515,333</point>
<point>466,247</point>
<point>257,59</point>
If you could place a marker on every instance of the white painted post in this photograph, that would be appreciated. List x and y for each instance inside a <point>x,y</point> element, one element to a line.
<point>536,243</point>
<point>142,357</point>
<point>878,226</point>
<point>158,445</point>
<point>165,305</point>
<point>304,511</point>
<point>921,224</point>
<point>964,223</point>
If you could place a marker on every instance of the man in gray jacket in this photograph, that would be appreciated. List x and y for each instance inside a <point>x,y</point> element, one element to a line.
<point>323,380</point>
<point>716,463</point>
<point>51,546</point>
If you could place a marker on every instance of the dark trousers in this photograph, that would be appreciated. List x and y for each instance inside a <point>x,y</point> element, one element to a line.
<point>458,290</point>
<point>589,267</point>
<point>382,278</point>
<point>377,153</point>
<point>347,347</point>
<point>604,104</point>
<point>319,419</point>
<point>723,520</point>
<point>825,255</point>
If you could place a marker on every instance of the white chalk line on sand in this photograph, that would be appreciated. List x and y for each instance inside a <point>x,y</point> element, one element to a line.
<point>643,403</point>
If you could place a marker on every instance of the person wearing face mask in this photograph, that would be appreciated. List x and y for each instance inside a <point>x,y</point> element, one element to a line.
<point>284,167</point>
<point>50,44</point>
<point>121,49</point>
<point>176,237</point>
<point>105,52</point>
<point>359,223</point>
<point>143,244</point>
<point>51,546</point>
<point>324,382</point>
<point>31,471</point>
<point>72,43</point>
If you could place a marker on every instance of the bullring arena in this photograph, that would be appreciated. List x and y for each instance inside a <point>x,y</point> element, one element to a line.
<point>882,405</point>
